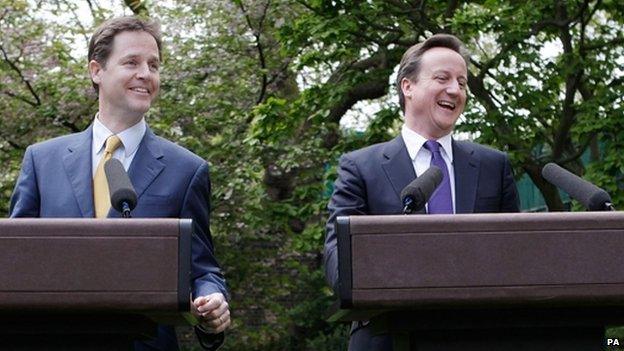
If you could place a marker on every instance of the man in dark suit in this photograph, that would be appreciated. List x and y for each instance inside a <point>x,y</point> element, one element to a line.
<point>432,85</point>
<point>63,177</point>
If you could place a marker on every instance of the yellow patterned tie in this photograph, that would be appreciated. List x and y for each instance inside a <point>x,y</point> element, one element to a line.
<point>101,196</point>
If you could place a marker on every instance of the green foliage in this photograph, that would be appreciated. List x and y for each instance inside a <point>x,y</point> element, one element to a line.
<point>264,90</point>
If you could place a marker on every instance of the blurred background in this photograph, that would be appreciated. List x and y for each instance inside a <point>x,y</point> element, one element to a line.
<point>272,92</point>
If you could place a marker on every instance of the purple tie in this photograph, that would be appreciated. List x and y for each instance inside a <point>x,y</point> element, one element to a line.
<point>440,201</point>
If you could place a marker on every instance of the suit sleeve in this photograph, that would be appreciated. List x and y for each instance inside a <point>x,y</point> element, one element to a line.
<point>206,275</point>
<point>25,199</point>
<point>348,198</point>
<point>510,201</point>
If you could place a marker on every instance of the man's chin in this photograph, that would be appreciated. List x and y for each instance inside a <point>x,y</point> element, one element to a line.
<point>446,124</point>
<point>140,109</point>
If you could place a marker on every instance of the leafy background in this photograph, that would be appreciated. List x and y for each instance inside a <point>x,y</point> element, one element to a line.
<point>271,92</point>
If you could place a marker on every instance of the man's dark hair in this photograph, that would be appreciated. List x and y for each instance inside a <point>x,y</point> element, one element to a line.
<point>410,63</point>
<point>101,43</point>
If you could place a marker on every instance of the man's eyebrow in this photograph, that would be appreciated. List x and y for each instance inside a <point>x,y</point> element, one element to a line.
<point>445,71</point>
<point>131,56</point>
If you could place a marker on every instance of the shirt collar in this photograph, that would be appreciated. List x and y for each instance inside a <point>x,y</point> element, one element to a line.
<point>130,138</point>
<point>414,142</point>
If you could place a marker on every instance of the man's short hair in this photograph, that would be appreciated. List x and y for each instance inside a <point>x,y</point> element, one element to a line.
<point>410,63</point>
<point>101,43</point>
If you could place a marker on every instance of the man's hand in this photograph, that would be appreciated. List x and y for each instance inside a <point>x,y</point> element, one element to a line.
<point>213,312</point>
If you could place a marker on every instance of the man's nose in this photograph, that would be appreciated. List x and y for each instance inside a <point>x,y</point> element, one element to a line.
<point>143,71</point>
<point>453,88</point>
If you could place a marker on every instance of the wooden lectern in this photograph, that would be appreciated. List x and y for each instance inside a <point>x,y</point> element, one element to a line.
<point>85,284</point>
<point>522,281</point>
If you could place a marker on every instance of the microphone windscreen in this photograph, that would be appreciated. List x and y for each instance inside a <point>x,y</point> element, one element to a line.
<point>598,200</point>
<point>589,195</point>
<point>119,185</point>
<point>421,188</point>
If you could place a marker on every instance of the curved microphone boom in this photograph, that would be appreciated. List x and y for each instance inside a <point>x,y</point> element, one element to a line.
<point>123,196</point>
<point>416,194</point>
<point>589,195</point>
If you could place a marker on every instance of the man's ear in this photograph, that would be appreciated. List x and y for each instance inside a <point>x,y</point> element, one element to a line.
<point>95,70</point>
<point>406,87</point>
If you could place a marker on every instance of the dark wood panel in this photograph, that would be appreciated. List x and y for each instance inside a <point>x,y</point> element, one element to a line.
<point>521,296</point>
<point>86,227</point>
<point>95,265</point>
<point>87,301</point>
<point>490,222</point>
<point>480,259</point>
<point>488,259</point>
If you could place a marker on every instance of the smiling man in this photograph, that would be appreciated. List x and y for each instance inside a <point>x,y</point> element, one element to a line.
<point>432,85</point>
<point>64,177</point>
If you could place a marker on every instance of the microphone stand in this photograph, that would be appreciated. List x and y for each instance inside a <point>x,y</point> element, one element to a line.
<point>125,213</point>
<point>408,203</point>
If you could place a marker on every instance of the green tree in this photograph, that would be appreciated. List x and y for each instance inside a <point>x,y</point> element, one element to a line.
<point>264,89</point>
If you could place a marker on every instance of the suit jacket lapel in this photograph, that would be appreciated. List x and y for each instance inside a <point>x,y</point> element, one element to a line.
<point>397,165</point>
<point>147,164</point>
<point>77,163</point>
<point>466,166</point>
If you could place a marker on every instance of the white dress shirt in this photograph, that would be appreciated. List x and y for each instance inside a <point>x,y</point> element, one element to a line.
<point>421,157</point>
<point>130,139</point>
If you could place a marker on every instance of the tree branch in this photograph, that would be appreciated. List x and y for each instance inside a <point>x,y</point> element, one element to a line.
<point>4,13</point>
<point>583,22</point>
<point>11,143</point>
<point>503,52</point>
<point>91,8</point>
<point>550,192</point>
<point>477,87</point>
<point>451,7</point>
<point>259,47</point>
<point>375,86</point>
<point>572,81</point>
<point>611,43</point>
<point>579,151</point>
<point>20,98</point>
<point>82,28</point>
<point>137,6</point>
<point>378,27</point>
<point>616,82</point>
<point>22,78</point>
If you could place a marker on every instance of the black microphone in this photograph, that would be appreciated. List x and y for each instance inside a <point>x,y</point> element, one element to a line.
<point>123,196</point>
<point>589,195</point>
<point>416,194</point>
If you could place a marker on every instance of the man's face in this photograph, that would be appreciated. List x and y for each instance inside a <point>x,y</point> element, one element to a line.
<point>436,98</point>
<point>130,79</point>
